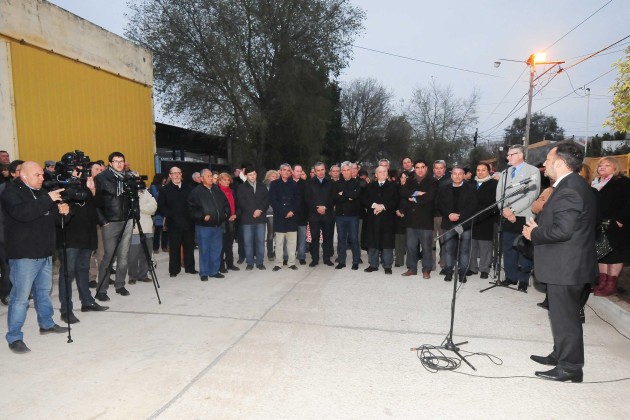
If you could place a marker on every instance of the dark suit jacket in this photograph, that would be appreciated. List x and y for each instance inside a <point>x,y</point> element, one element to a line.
<point>564,241</point>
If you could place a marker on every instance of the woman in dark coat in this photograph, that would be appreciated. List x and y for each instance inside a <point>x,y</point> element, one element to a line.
<point>613,198</point>
<point>483,226</point>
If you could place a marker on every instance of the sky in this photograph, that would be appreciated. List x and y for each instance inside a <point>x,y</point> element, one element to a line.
<point>472,35</point>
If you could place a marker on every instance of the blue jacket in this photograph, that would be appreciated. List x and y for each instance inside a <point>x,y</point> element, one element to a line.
<point>284,197</point>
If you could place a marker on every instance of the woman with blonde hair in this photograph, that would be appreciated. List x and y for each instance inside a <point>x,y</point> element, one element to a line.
<point>227,254</point>
<point>613,197</point>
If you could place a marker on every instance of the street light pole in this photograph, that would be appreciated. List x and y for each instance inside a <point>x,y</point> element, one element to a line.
<point>588,100</point>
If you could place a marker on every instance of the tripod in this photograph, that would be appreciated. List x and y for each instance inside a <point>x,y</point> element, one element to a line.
<point>133,215</point>
<point>64,252</point>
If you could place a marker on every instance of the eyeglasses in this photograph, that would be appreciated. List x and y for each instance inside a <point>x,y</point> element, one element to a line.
<point>118,161</point>
<point>175,173</point>
<point>509,155</point>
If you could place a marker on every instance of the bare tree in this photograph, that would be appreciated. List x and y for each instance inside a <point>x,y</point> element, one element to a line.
<point>443,123</point>
<point>365,111</point>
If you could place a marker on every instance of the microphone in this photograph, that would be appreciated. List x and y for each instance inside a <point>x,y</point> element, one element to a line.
<point>523,182</point>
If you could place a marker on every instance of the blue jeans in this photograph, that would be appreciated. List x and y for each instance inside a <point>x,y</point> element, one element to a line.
<point>450,251</point>
<point>79,269</point>
<point>424,238</point>
<point>348,232</point>
<point>210,242</point>
<point>27,274</point>
<point>254,236</point>
<point>386,255</point>
<point>517,266</point>
<point>301,243</point>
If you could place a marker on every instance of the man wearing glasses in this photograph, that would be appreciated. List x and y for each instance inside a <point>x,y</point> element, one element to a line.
<point>113,211</point>
<point>516,211</point>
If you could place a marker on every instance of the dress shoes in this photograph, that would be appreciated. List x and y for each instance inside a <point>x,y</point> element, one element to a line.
<point>56,329</point>
<point>313,264</point>
<point>249,267</point>
<point>409,273</point>
<point>69,318</point>
<point>171,275</point>
<point>448,277</point>
<point>370,269</point>
<point>102,296</point>
<point>471,273</point>
<point>93,284</point>
<point>234,268</point>
<point>442,272</point>
<point>544,304</point>
<point>111,281</point>
<point>219,276</point>
<point>483,275</point>
<point>355,266</point>
<point>426,275</point>
<point>302,262</point>
<point>122,291</point>
<point>95,307</point>
<point>145,280</point>
<point>132,281</point>
<point>19,347</point>
<point>293,267</point>
<point>507,282</point>
<point>329,263</point>
<point>261,267</point>
<point>462,279</point>
<point>203,278</point>
<point>388,271</point>
<point>522,287</point>
<point>276,268</point>
<point>561,375</point>
<point>192,272</point>
<point>240,261</point>
<point>544,360</point>
<point>340,266</point>
<point>223,270</point>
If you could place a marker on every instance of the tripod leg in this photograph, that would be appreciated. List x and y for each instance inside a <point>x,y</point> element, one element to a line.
<point>147,256</point>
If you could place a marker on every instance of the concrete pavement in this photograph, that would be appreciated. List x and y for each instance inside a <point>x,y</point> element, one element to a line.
<point>308,344</point>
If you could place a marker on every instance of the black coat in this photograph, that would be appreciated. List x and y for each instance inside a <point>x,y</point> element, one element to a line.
<point>248,202</point>
<point>465,205</point>
<point>319,194</point>
<point>347,197</point>
<point>483,227</point>
<point>173,205</point>
<point>302,210</point>
<point>204,201</point>
<point>110,205</point>
<point>80,226</point>
<point>381,228</point>
<point>284,197</point>
<point>614,205</point>
<point>419,214</point>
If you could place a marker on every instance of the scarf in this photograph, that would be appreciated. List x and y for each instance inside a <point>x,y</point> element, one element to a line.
<point>599,183</point>
<point>488,178</point>
<point>230,197</point>
<point>120,184</point>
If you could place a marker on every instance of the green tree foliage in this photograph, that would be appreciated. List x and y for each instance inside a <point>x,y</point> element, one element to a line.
<point>443,124</point>
<point>620,113</point>
<point>542,127</point>
<point>262,68</point>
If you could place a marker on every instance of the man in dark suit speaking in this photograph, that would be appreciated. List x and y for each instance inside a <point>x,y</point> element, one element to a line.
<point>565,259</point>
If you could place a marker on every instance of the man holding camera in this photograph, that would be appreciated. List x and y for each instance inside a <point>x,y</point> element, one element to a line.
<point>113,207</point>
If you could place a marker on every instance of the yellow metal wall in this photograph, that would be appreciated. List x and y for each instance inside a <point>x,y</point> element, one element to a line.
<point>62,105</point>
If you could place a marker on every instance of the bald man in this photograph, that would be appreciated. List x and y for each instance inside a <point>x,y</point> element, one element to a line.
<point>29,216</point>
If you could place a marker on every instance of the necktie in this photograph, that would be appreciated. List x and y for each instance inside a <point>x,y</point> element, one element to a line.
<point>513,172</point>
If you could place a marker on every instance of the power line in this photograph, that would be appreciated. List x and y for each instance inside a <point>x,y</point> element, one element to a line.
<point>427,62</point>
<point>572,92</point>
<point>505,96</point>
<point>578,25</point>
<point>596,52</point>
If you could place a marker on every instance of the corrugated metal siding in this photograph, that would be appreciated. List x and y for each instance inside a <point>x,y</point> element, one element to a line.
<point>62,105</point>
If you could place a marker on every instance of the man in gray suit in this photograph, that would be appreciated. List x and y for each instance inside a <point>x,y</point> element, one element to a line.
<point>564,251</point>
<point>516,211</point>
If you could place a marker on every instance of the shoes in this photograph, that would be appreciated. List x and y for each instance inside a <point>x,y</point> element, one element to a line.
<point>329,263</point>
<point>609,288</point>
<point>276,268</point>
<point>522,287</point>
<point>18,347</point>
<point>313,264</point>
<point>93,284</point>
<point>102,296</point>
<point>95,307</point>
<point>223,270</point>
<point>54,329</point>
<point>69,318</point>
<point>561,375</point>
<point>203,278</point>
<point>370,269</point>
<point>145,280</point>
<point>507,282</point>
<point>355,266</point>
<point>544,304</point>
<point>360,261</point>
<point>409,273</point>
<point>249,267</point>
<point>4,300</point>
<point>192,272</point>
<point>240,261</point>
<point>261,267</point>
<point>340,266</point>
<point>219,276</point>
<point>483,275</point>
<point>111,281</point>
<point>448,277</point>
<point>293,267</point>
<point>471,273</point>
<point>132,281</point>
<point>426,275</point>
<point>171,275</point>
<point>462,279</point>
<point>302,262</point>
<point>234,268</point>
<point>398,265</point>
<point>388,271</point>
<point>285,262</point>
<point>544,360</point>
<point>122,291</point>
<point>442,272</point>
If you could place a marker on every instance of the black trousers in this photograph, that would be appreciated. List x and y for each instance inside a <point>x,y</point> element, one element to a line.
<point>227,255</point>
<point>568,339</point>
<point>176,239</point>
<point>326,226</point>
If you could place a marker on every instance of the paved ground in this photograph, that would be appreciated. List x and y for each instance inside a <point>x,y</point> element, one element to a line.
<point>310,344</point>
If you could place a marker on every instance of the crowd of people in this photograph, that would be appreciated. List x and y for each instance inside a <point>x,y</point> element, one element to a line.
<point>419,217</point>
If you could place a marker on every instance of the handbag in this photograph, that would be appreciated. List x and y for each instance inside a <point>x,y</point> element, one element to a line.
<point>524,246</point>
<point>602,244</point>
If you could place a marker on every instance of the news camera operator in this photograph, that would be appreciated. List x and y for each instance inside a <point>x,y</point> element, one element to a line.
<point>78,235</point>
<point>113,205</point>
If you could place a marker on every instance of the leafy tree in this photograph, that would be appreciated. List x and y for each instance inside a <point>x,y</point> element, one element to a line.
<point>620,113</point>
<point>443,123</point>
<point>397,139</point>
<point>248,65</point>
<point>542,127</point>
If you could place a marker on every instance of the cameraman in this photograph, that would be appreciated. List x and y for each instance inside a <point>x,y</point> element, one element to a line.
<point>113,207</point>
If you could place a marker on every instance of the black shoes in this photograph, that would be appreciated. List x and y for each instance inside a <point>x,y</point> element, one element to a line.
<point>276,268</point>
<point>192,272</point>
<point>370,269</point>
<point>462,279</point>
<point>522,287</point>
<point>204,278</point>
<point>102,296</point>
<point>471,273</point>
<point>561,375</point>
<point>219,276</point>
<point>388,271</point>
<point>293,267</point>
<point>122,291</point>
<point>240,261</point>
<point>132,281</point>
<point>69,318</point>
<point>19,347</point>
<point>448,277</point>
<point>329,263</point>
<point>544,304</point>
<point>261,267</point>
<point>483,275</point>
<point>95,307</point>
<point>93,284</point>
<point>249,267</point>
<point>54,329</point>
<point>507,282</point>
<point>313,264</point>
<point>171,275</point>
<point>442,272</point>
<point>223,270</point>
<point>544,360</point>
<point>340,266</point>
<point>234,268</point>
<point>302,262</point>
<point>355,266</point>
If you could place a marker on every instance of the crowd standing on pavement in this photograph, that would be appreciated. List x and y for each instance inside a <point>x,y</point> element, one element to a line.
<point>401,218</point>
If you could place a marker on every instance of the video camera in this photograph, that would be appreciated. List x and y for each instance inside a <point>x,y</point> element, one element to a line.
<point>132,183</point>
<point>71,174</point>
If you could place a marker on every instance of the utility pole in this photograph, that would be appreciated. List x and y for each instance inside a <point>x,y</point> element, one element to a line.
<point>588,99</point>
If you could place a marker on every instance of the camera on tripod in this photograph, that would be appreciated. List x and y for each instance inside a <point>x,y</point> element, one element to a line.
<point>71,175</point>
<point>132,183</point>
